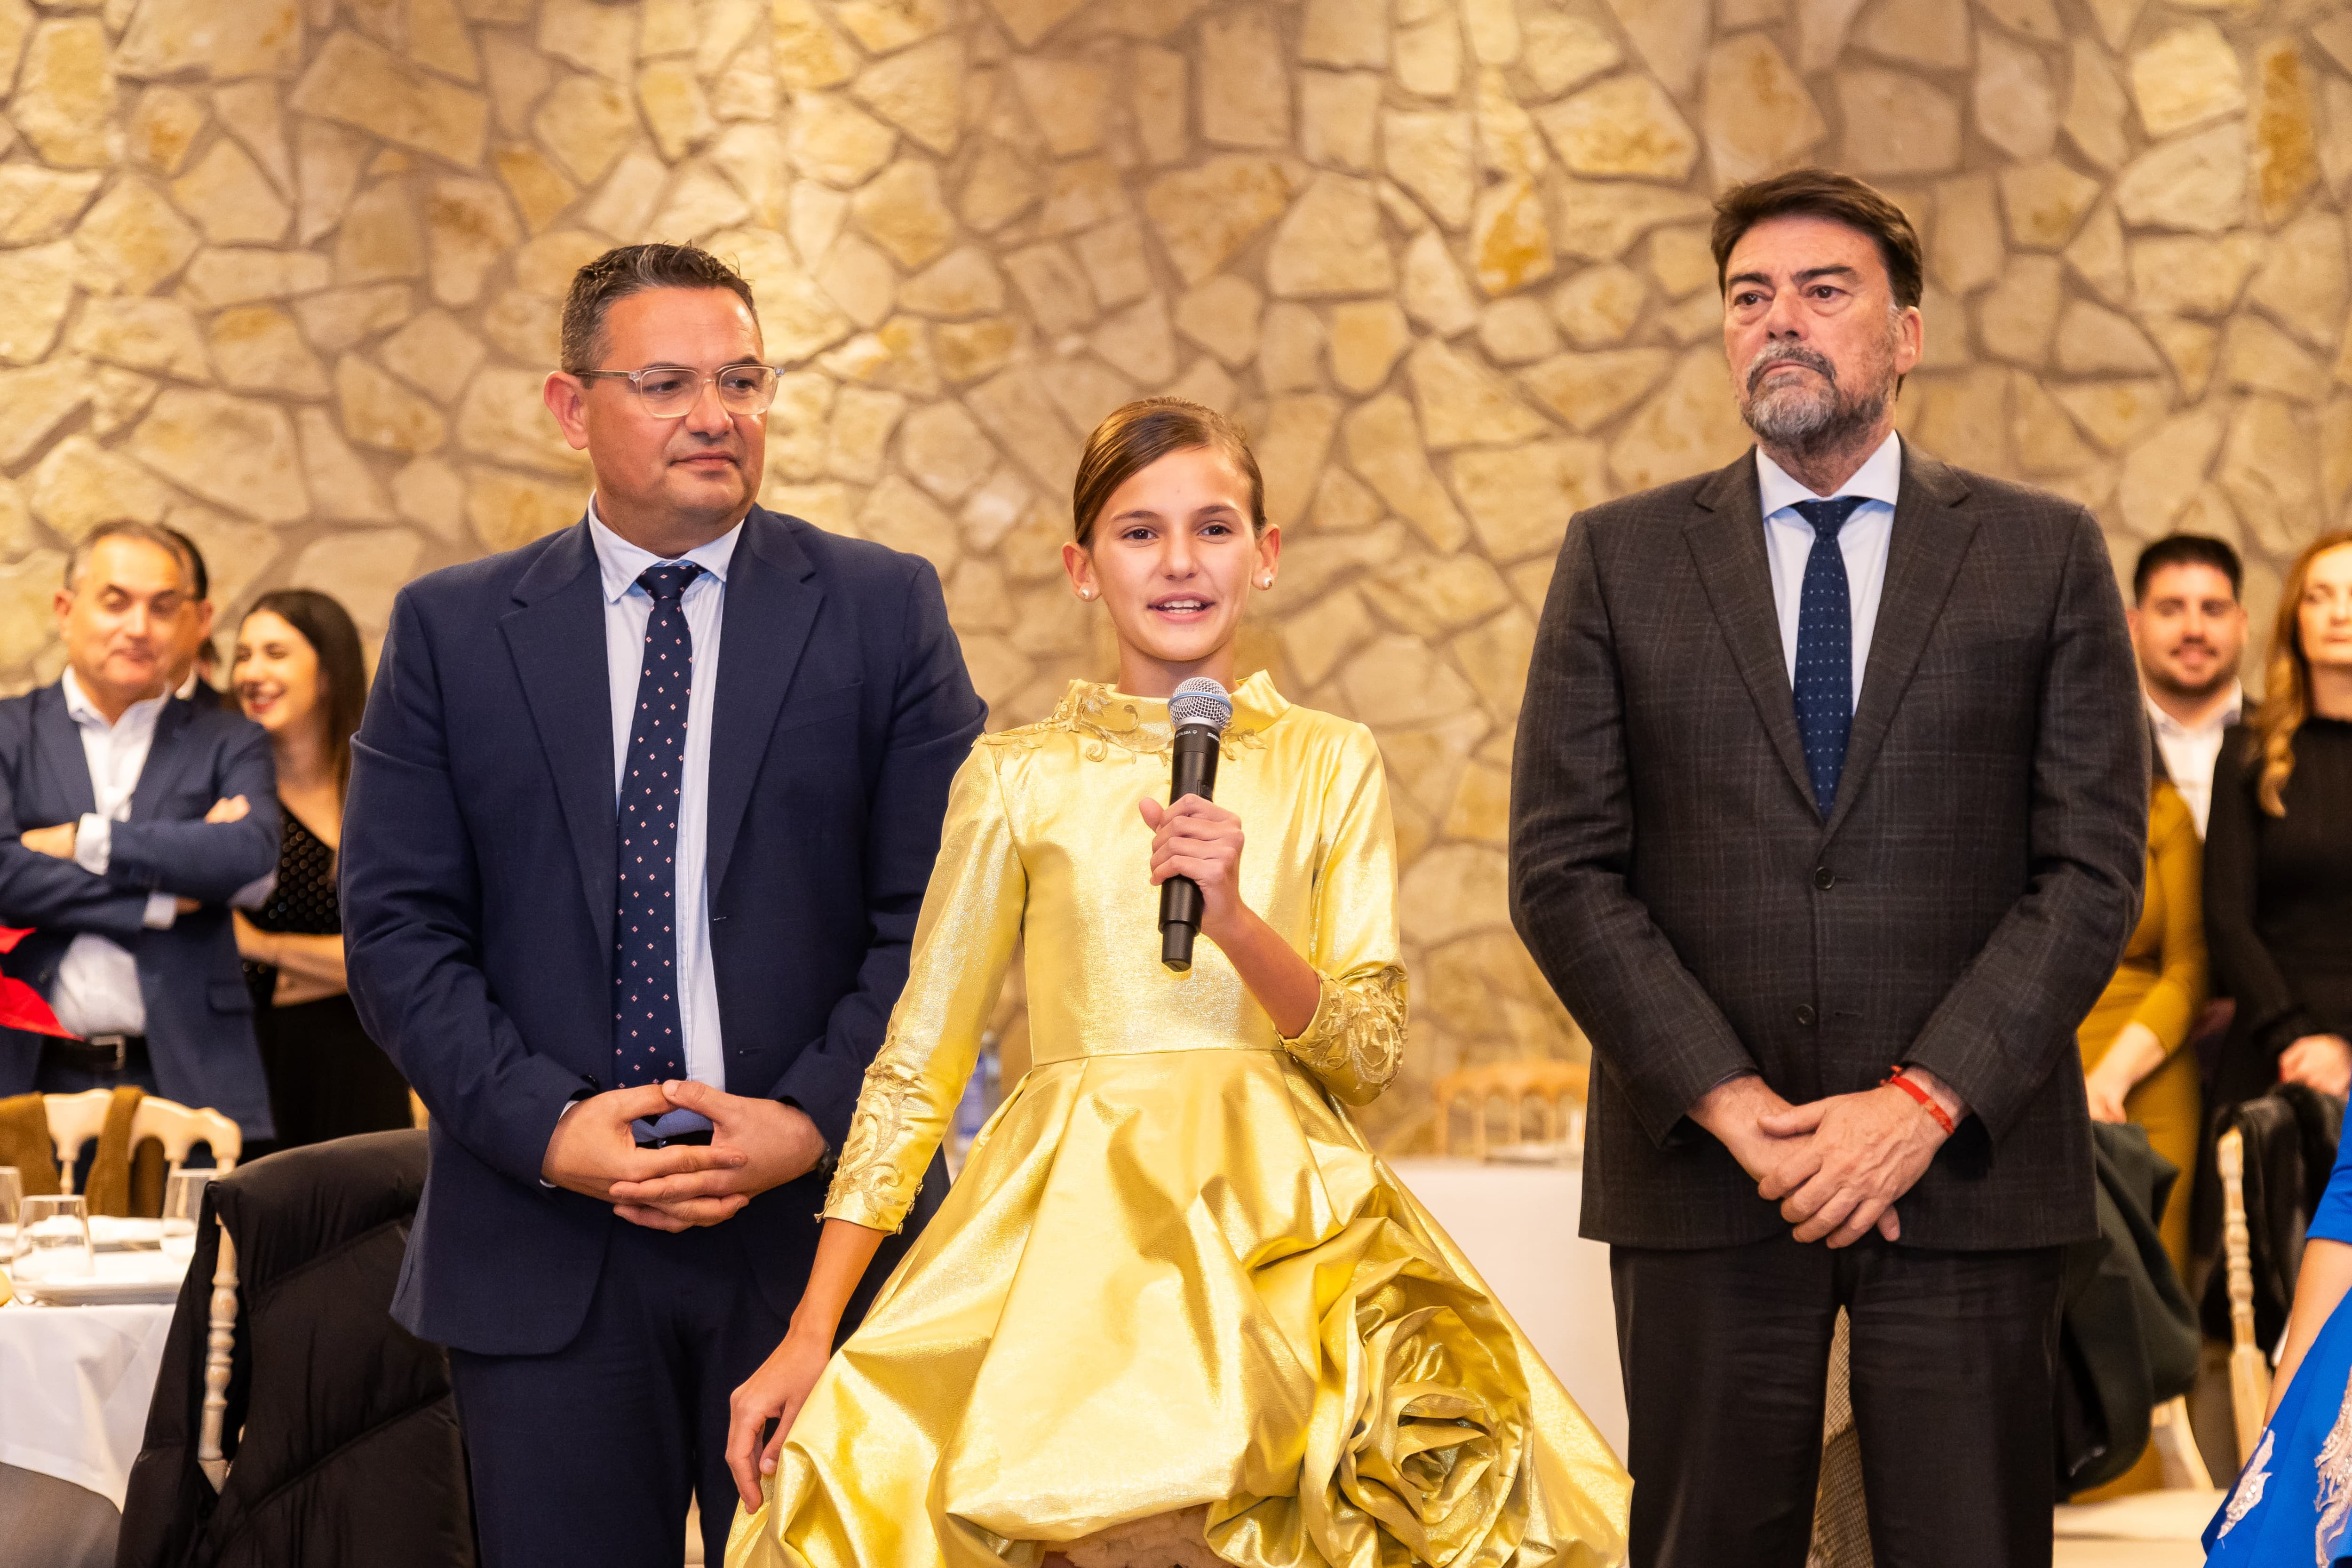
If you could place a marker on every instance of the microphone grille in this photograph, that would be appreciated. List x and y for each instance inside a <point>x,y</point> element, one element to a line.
<point>1201,701</point>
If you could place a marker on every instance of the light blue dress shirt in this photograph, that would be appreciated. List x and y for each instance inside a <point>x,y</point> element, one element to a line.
<point>1863,540</point>
<point>627,608</point>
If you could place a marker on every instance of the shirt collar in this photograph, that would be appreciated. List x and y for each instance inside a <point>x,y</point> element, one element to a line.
<point>140,715</point>
<point>1880,477</point>
<point>619,562</point>
<point>2166,724</point>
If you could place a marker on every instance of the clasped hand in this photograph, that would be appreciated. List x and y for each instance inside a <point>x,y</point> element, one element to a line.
<point>1836,1166</point>
<point>1203,841</point>
<point>755,1144</point>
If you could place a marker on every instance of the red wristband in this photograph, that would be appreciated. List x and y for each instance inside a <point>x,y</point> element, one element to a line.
<point>1928,1101</point>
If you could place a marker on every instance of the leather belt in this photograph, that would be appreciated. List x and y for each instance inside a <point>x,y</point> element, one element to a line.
<point>99,1053</point>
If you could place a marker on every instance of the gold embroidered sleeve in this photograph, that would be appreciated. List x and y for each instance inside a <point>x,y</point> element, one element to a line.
<point>1356,1039</point>
<point>964,940</point>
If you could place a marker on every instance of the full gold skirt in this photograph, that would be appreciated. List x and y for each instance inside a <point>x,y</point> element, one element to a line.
<point>1174,1280</point>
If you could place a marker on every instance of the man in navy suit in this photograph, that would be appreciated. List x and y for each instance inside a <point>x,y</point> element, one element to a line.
<point>125,828</point>
<point>640,820</point>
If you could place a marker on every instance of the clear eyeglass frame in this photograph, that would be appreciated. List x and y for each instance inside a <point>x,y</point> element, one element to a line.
<point>670,391</point>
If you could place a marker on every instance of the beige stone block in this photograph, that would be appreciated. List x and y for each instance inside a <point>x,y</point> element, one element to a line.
<point>2044,201</point>
<point>1157,95</point>
<point>970,350</point>
<point>470,229</point>
<point>1560,50</point>
<point>1368,337</point>
<point>1081,193</point>
<point>1204,382</point>
<point>2045,438</point>
<point>1318,638</point>
<point>163,128</point>
<point>1520,499</point>
<point>2163,471</point>
<point>943,449</point>
<point>2185,77</point>
<point>327,163</point>
<point>2269,470</point>
<point>2335,452</point>
<point>1017,409</point>
<point>1339,116</point>
<point>2303,283</point>
<point>857,276</point>
<point>2035,18</point>
<point>2095,108</point>
<point>18,535</point>
<point>746,90</point>
<point>2187,275</point>
<point>1436,597</point>
<point>1962,418</point>
<point>1115,261</point>
<point>2196,182</point>
<point>1896,123</point>
<point>363,85</point>
<point>814,213</point>
<point>882,25</point>
<point>896,357</point>
<point>1455,888</point>
<point>541,190</point>
<point>1206,215</point>
<point>2258,357</point>
<point>438,38</point>
<point>1945,323</point>
<point>1329,242</point>
<point>2098,258</point>
<point>1965,251</point>
<point>517,74</point>
<point>1596,220</point>
<point>676,110</point>
<point>2116,413</point>
<point>1682,260</point>
<point>1494,654</point>
<point>231,199</point>
<point>1693,320</point>
<point>1085,389</point>
<point>1383,445</point>
<point>28,643</point>
<point>1054,287</point>
<point>131,235</point>
<point>1428,57</point>
<point>1493,26</point>
<point>902,210</point>
<point>809,54</point>
<point>249,112</point>
<point>797,425</point>
<point>507,511</point>
<point>1425,762</point>
<point>1517,331</point>
<point>151,334</point>
<point>1396,677</point>
<point>1759,119</point>
<point>836,140</point>
<point>34,403</point>
<point>1625,126</point>
<point>2016,319</point>
<point>236,452</point>
<point>361,569</point>
<point>597,37</point>
<point>2285,128</point>
<point>920,91</point>
<point>259,348</point>
<point>341,484</point>
<point>377,411</point>
<point>1671,36</point>
<point>1344,504</point>
<point>64,102</point>
<point>1931,32</point>
<point>1221,316</point>
<point>979,597</point>
<point>1030,20</point>
<point>80,485</point>
<point>1511,241</point>
<point>863,420</point>
<point>380,238</point>
<point>1689,426</point>
<point>1429,153</point>
<point>254,37</point>
<point>990,513</point>
<point>1312,561</point>
<point>1600,305</point>
<point>586,124</point>
<point>503,418</point>
<point>2190,346</point>
<point>434,354</point>
<point>797,318</point>
<point>2114,19</point>
<point>899,515</point>
<point>336,318</point>
<point>2016,101</point>
<point>1434,293</point>
<point>1587,389</point>
<point>964,282</point>
<point>1509,142</point>
<point>1290,349</point>
<point>38,284</point>
<point>1345,33</point>
<point>1067,99</point>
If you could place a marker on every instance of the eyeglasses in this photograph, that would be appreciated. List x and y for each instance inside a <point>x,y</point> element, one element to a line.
<point>667,391</point>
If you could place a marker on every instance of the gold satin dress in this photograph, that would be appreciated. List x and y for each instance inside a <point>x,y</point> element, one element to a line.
<point>1172,1276</point>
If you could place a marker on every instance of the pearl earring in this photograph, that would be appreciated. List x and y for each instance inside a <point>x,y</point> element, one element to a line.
<point>1267,581</point>
<point>1086,593</point>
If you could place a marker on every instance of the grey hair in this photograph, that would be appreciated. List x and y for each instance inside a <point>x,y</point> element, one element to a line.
<point>629,270</point>
<point>161,538</point>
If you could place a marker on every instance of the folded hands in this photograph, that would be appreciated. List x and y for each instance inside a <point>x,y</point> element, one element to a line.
<point>1836,1167</point>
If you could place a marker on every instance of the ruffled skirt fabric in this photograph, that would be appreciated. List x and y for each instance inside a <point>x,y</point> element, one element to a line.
<point>2293,1499</point>
<point>1180,1279</point>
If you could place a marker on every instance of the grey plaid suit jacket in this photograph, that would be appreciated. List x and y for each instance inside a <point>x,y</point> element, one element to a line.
<point>1961,909</point>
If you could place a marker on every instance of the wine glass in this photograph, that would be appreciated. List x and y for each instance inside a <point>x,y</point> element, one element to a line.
<point>183,1205</point>
<point>53,1239</point>
<point>11,1196</point>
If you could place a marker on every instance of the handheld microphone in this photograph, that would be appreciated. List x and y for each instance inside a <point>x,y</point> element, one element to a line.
<point>1200,709</point>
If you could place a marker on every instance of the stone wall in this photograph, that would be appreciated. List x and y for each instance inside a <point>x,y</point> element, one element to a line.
<point>286,273</point>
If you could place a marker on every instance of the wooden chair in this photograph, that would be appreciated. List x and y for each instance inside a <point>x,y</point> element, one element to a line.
<point>76,1118</point>
<point>1557,1088</point>
<point>2250,1370</point>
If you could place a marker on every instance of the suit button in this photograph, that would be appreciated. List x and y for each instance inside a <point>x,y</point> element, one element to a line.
<point>1825,879</point>
<point>1805,1014</point>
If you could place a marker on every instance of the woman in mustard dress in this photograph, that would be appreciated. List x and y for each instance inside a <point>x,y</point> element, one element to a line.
<point>1174,1311</point>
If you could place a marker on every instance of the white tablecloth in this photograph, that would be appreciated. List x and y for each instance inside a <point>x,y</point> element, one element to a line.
<point>75,1385</point>
<point>1518,1224</point>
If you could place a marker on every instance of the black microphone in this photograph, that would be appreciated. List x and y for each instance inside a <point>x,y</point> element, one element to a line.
<point>1200,709</point>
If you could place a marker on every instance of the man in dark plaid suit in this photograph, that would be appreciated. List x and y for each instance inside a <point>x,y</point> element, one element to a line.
<point>1828,825</point>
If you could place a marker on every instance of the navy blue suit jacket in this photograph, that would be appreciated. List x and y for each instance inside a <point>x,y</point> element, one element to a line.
<point>199,1014</point>
<point>477,885</point>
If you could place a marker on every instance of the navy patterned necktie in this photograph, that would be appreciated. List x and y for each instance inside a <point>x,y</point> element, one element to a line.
<point>1825,648</point>
<point>648,1045</point>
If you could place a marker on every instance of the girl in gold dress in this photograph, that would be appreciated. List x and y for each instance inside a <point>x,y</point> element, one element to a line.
<point>1175,1311</point>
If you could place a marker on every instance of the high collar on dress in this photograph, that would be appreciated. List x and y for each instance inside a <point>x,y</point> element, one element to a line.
<point>1141,723</point>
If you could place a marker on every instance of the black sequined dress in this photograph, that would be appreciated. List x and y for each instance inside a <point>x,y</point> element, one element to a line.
<point>327,1078</point>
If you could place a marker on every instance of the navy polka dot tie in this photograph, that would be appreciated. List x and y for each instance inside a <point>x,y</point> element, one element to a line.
<point>1825,648</point>
<point>648,1043</point>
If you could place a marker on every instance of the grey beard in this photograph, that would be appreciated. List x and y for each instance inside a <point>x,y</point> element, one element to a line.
<point>1805,420</point>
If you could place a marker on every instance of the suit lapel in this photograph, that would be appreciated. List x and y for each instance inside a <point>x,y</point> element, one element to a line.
<point>556,637</point>
<point>166,760</point>
<point>62,756</point>
<point>1930,539</point>
<point>772,605</point>
<point>1726,540</point>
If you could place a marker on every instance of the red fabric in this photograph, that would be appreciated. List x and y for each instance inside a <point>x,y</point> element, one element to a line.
<point>21,1006</point>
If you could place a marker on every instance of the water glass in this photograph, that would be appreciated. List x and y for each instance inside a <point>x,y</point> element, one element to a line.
<point>53,1239</point>
<point>183,1205</point>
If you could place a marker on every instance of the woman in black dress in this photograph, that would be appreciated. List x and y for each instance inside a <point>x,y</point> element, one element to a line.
<point>300,675</point>
<point>2278,850</point>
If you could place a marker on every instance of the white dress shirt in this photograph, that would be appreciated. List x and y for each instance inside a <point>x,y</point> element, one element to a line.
<point>2190,755</point>
<point>627,608</point>
<point>1863,541</point>
<point>96,988</point>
